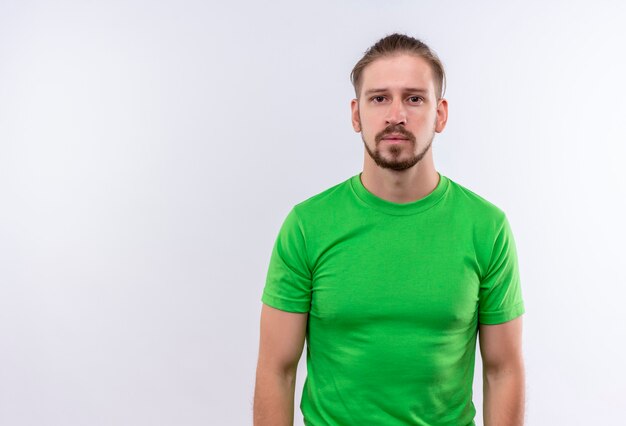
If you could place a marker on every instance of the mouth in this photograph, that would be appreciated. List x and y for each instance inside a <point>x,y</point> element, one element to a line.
<point>396,138</point>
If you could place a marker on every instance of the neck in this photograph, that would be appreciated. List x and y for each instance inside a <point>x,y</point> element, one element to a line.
<point>400,186</point>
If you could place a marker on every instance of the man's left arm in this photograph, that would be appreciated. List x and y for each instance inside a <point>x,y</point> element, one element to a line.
<point>503,373</point>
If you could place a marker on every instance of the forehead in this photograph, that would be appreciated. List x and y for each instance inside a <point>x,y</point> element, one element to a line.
<point>397,72</point>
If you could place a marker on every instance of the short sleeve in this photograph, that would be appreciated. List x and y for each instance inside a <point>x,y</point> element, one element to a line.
<point>288,280</point>
<point>500,297</point>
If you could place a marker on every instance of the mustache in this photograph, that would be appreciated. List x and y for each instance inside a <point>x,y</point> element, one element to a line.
<point>394,129</point>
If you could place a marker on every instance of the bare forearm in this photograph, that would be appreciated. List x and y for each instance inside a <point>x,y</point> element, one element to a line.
<point>274,398</point>
<point>503,397</point>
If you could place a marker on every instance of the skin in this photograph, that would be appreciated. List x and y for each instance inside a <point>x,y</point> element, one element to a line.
<point>282,337</point>
<point>504,374</point>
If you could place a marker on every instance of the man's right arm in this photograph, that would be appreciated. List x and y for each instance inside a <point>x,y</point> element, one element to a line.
<point>280,347</point>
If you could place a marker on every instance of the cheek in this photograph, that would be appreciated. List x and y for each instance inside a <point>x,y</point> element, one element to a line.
<point>369,122</point>
<point>425,121</point>
<point>367,117</point>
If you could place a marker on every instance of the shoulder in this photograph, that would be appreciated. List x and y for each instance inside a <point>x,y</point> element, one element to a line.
<point>477,206</point>
<point>323,201</point>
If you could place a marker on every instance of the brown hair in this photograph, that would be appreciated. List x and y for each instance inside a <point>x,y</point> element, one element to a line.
<point>394,44</point>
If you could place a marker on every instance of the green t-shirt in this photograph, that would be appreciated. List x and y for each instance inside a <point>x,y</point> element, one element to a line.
<point>394,293</point>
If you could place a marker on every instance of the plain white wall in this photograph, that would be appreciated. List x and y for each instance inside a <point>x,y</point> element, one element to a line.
<point>149,151</point>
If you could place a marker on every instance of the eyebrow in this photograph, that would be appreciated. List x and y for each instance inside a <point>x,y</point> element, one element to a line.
<point>406,90</point>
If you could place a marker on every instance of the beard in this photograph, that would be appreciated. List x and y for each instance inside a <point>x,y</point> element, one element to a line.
<point>396,162</point>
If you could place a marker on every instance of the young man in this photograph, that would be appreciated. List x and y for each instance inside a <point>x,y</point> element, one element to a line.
<point>392,274</point>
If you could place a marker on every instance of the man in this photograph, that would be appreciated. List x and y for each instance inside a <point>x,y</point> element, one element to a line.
<point>392,274</point>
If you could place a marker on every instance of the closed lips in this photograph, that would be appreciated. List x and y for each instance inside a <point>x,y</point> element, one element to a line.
<point>395,137</point>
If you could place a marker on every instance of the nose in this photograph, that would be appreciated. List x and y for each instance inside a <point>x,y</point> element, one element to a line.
<point>396,113</point>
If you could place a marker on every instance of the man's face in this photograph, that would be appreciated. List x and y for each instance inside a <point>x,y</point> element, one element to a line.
<point>398,112</point>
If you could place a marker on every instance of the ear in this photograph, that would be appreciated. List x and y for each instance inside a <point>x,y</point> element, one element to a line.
<point>354,106</point>
<point>442,115</point>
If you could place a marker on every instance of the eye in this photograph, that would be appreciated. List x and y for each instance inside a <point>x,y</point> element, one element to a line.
<point>376,97</point>
<point>417,98</point>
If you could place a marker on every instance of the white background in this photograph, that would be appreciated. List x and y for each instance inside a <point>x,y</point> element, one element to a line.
<point>150,150</point>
